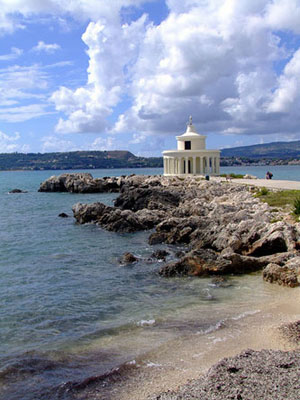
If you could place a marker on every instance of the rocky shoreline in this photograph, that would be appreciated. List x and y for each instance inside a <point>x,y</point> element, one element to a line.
<point>222,227</point>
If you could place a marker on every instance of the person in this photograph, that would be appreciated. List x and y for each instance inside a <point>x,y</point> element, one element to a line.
<point>269,175</point>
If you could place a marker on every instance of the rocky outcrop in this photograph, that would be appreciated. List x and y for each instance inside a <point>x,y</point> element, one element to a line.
<point>85,183</point>
<point>286,275</point>
<point>110,218</point>
<point>223,228</point>
<point>79,183</point>
<point>206,262</point>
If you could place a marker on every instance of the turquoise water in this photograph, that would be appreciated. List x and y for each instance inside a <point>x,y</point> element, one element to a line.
<point>284,172</point>
<point>69,310</point>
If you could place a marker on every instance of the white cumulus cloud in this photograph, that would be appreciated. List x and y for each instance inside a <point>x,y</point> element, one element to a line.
<point>47,48</point>
<point>112,51</point>
<point>9,143</point>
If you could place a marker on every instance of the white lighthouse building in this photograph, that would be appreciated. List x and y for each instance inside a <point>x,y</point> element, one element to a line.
<point>191,156</point>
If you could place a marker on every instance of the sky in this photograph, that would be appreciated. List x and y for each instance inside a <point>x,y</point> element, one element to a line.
<point>127,74</point>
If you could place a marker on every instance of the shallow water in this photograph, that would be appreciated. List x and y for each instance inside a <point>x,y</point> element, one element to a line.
<point>69,310</point>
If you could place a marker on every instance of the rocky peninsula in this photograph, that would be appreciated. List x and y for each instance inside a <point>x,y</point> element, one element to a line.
<point>222,227</point>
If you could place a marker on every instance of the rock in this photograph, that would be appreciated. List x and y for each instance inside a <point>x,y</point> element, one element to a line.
<point>150,218</point>
<point>128,258</point>
<point>17,191</point>
<point>286,275</point>
<point>175,230</point>
<point>248,176</point>
<point>157,238</point>
<point>291,332</point>
<point>160,254</point>
<point>220,281</point>
<point>224,229</point>
<point>79,183</point>
<point>151,198</point>
<point>63,215</point>
<point>200,263</point>
<point>275,243</point>
<point>109,218</point>
<point>206,262</point>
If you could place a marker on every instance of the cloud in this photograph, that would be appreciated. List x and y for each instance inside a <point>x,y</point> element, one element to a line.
<point>112,51</point>
<point>20,84</point>
<point>214,60</point>
<point>15,14</point>
<point>286,98</point>
<point>52,143</point>
<point>47,48</point>
<point>217,60</point>
<point>107,143</point>
<point>9,143</point>
<point>284,15</point>
<point>14,53</point>
<point>23,113</point>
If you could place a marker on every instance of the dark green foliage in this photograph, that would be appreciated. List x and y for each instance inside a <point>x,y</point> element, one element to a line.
<point>76,160</point>
<point>233,176</point>
<point>297,206</point>
<point>281,150</point>
<point>263,191</point>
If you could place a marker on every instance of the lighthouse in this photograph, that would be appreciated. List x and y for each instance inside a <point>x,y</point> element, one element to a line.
<point>191,156</point>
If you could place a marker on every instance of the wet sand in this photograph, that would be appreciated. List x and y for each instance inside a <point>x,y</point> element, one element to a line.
<point>176,362</point>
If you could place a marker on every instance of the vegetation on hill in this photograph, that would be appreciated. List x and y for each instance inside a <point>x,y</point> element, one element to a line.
<point>76,160</point>
<point>275,150</point>
<point>261,154</point>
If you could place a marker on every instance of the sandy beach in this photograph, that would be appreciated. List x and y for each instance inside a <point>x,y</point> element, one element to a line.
<point>180,361</point>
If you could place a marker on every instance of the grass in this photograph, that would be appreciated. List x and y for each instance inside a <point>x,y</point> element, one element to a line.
<point>283,198</point>
<point>262,192</point>
<point>296,210</point>
<point>233,176</point>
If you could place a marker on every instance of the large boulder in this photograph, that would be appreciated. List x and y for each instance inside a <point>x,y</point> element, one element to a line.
<point>286,275</point>
<point>275,243</point>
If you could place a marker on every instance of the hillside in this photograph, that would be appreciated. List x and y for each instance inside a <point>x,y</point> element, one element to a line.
<point>275,150</point>
<point>76,160</point>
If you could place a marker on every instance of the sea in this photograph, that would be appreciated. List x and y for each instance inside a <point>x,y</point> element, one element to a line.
<point>69,310</point>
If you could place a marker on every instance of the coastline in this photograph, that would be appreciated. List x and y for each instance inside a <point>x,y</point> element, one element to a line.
<point>200,320</point>
<point>164,369</point>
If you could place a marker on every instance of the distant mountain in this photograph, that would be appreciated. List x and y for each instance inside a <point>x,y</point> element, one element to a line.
<point>278,150</point>
<point>76,160</point>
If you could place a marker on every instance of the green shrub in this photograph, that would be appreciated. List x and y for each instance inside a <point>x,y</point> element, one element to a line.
<point>233,176</point>
<point>262,192</point>
<point>297,206</point>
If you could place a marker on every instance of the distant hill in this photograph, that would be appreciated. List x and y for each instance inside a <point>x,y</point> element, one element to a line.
<point>76,160</point>
<point>275,150</point>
